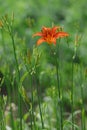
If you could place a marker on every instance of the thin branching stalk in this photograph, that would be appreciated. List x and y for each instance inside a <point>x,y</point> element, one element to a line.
<point>32,99</point>
<point>38,89</point>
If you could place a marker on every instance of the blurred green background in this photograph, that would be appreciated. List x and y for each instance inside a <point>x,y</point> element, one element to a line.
<point>29,17</point>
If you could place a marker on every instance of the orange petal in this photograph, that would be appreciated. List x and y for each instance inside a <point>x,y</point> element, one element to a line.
<point>38,34</point>
<point>45,29</point>
<point>53,40</point>
<point>61,34</point>
<point>40,41</point>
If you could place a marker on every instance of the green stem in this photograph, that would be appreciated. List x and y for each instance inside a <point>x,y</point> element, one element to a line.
<point>72,97</point>
<point>10,101</point>
<point>82,107</point>
<point>32,112</point>
<point>58,86</point>
<point>14,49</point>
<point>32,99</point>
<point>12,120</point>
<point>18,78</point>
<point>2,116</point>
<point>82,111</point>
<point>3,42</point>
<point>39,103</point>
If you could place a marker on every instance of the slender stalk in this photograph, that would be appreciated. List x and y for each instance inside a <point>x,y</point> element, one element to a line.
<point>14,49</point>
<point>2,116</point>
<point>32,112</point>
<point>82,111</point>
<point>2,38</point>
<point>32,99</point>
<point>82,107</point>
<point>33,75</point>
<point>39,103</point>
<point>11,116</point>
<point>18,78</point>
<point>9,27</point>
<point>72,97</point>
<point>59,90</point>
<point>10,101</point>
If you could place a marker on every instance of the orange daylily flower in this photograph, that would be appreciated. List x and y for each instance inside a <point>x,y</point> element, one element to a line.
<point>50,35</point>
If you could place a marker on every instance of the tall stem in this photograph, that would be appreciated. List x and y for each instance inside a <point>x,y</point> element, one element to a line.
<point>18,79</point>
<point>32,99</point>
<point>82,107</point>
<point>72,97</point>
<point>2,116</point>
<point>32,112</point>
<point>14,49</point>
<point>39,103</point>
<point>58,86</point>
<point>3,43</point>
